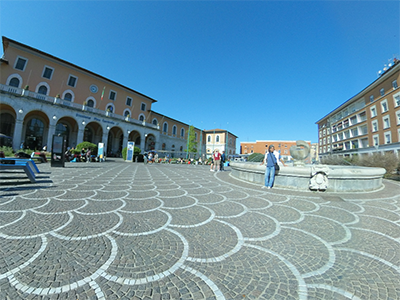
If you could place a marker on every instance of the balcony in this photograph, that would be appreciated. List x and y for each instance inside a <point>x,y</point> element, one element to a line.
<point>65,103</point>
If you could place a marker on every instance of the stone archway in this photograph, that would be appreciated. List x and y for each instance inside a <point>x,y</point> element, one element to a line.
<point>150,142</point>
<point>36,126</point>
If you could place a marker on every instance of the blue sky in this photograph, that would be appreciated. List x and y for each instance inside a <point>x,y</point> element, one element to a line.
<point>263,70</point>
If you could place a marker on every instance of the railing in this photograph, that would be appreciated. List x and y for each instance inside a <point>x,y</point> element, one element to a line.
<point>62,102</point>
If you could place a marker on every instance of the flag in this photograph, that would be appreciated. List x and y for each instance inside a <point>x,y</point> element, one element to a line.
<point>102,94</point>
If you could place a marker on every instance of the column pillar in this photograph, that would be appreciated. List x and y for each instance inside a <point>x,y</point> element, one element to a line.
<point>142,143</point>
<point>18,132</point>
<point>104,140</point>
<point>79,139</point>
<point>52,130</point>
<point>125,140</point>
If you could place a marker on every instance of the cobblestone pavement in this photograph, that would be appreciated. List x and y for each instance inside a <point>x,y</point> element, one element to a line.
<point>118,230</point>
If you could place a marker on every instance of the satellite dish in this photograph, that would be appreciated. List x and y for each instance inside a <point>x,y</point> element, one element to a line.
<point>380,72</point>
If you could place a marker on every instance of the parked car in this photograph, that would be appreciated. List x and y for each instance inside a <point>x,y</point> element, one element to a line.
<point>5,140</point>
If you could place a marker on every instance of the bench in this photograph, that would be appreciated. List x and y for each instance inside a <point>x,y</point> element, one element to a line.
<point>27,165</point>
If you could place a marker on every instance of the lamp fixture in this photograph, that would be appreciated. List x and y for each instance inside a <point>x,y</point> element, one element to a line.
<point>83,122</point>
<point>108,127</point>
<point>54,117</point>
<point>21,111</point>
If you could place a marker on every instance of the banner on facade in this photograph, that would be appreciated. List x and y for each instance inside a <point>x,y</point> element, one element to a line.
<point>129,153</point>
<point>100,151</point>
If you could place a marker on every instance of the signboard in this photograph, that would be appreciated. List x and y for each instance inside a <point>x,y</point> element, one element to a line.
<point>100,151</point>
<point>129,153</point>
<point>57,151</point>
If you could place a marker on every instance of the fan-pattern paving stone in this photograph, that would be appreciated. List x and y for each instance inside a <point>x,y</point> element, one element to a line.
<point>119,230</point>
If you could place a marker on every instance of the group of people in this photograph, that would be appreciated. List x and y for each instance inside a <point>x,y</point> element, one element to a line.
<point>86,155</point>
<point>217,161</point>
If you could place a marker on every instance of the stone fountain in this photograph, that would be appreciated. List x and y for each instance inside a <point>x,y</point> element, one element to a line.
<point>314,177</point>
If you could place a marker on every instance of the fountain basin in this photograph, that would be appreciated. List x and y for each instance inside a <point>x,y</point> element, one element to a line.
<point>337,178</point>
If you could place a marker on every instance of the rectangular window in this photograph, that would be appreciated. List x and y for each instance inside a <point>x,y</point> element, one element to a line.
<point>362,116</point>
<point>376,140</point>
<point>47,72</point>
<point>396,100</point>
<point>373,111</point>
<point>72,80</point>
<point>388,137</point>
<point>371,98</point>
<point>20,63</point>
<point>398,117</point>
<point>363,129</point>
<point>386,122</point>
<point>382,91</point>
<point>112,95</point>
<point>353,120</point>
<point>354,132</point>
<point>375,126</point>
<point>394,84</point>
<point>143,107</point>
<point>128,101</point>
<point>384,106</point>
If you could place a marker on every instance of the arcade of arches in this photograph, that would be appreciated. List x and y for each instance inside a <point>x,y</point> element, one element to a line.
<point>36,128</point>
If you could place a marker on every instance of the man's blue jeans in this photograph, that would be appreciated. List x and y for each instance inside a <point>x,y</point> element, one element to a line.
<point>269,176</point>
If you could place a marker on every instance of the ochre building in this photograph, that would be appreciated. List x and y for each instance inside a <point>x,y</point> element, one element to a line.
<point>42,96</point>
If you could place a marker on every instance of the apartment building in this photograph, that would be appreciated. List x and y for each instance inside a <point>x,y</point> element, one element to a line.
<point>366,123</point>
<point>42,95</point>
<point>283,147</point>
<point>220,139</point>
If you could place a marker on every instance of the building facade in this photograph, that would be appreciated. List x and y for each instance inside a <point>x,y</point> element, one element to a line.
<point>283,147</point>
<point>366,123</point>
<point>220,139</point>
<point>42,95</point>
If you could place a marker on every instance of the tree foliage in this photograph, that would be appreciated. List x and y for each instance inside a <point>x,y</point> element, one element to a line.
<point>192,144</point>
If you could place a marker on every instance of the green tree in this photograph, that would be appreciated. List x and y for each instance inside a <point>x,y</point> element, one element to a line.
<point>192,144</point>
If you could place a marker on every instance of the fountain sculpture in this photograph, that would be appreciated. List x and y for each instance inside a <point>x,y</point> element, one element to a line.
<point>315,177</point>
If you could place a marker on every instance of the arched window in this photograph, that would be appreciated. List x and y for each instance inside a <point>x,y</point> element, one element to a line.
<point>68,97</point>
<point>90,103</point>
<point>14,82</point>
<point>195,136</point>
<point>182,132</point>
<point>165,127</point>
<point>163,146</point>
<point>217,139</point>
<point>42,90</point>
<point>155,122</point>
<point>209,139</point>
<point>174,130</point>
<point>181,149</point>
<point>126,113</point>
<point>110,108</point>
<point>141,118</point>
